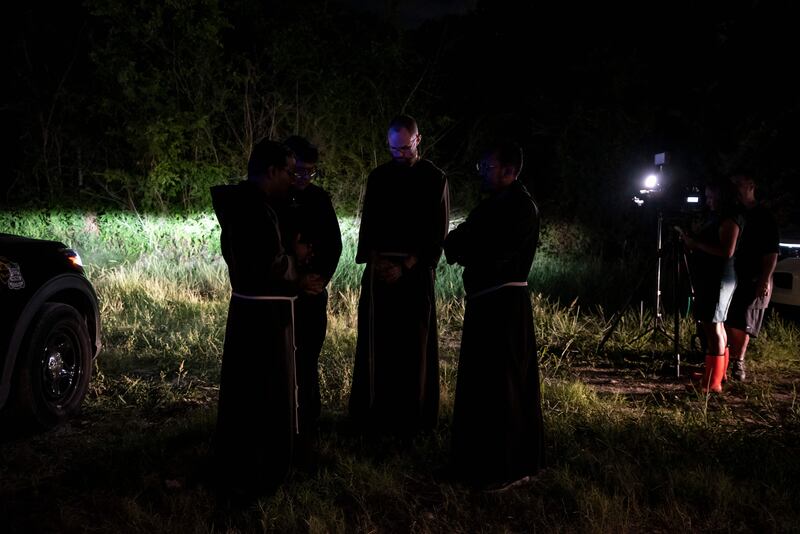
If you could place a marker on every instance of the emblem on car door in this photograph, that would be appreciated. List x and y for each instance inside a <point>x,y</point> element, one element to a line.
<point>10,274</point>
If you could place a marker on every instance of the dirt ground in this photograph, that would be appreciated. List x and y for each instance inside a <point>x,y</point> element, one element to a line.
<point>762,386</point>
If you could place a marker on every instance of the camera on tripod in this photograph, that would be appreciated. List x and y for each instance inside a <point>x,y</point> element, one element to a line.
<point>667,193</point>
<point>674,203</point>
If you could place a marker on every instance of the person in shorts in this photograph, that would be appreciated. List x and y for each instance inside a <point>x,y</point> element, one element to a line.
<point>712,250</point>
<point>755,262</point>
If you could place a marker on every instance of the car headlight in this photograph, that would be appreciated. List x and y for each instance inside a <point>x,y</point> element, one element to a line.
<point>73,257</point>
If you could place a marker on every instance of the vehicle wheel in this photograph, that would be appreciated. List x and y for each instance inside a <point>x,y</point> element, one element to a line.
<point>53,375</point>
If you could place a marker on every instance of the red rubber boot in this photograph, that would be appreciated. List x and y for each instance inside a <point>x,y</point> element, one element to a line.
<point>713,373</point>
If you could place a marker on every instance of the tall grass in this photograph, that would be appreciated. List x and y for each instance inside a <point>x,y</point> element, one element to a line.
<point>113,238</point>
<point>631,451</point>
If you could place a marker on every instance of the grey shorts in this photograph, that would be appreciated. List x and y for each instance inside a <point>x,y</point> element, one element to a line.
<point>746,312</point>
<point>745,318</point>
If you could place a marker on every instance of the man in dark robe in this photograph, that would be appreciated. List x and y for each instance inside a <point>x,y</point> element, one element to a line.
<point>404,221</point>
<point>310,215</point>
<point>497,419</point>
<point>257,416</point>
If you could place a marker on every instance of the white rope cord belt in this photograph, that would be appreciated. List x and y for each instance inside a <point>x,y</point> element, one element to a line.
<point>290,300</point>
<point>483,292</point>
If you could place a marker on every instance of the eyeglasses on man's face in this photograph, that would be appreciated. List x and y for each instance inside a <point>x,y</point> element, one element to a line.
<point>412,144</point>
<point>306,173</point>
<point>483,166</point>
<point>402,149</point>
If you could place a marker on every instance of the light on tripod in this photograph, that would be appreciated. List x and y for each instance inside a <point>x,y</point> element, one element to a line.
<point>651,182</point>
<point>656,185</point>
<point>692,199</point>
<point>651,189</point>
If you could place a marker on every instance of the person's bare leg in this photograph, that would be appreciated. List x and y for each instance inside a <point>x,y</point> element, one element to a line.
<point>738,341</point>
<point>723,335</point>
<point>715,337</point>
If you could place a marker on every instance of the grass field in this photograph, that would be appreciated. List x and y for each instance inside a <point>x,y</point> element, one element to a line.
<point>629,448</point>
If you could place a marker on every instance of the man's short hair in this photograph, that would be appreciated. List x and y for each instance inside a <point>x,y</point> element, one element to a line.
<point>302,148</point>
<point>266,154</point>
<point>403,121</point>
<point>507,153</point>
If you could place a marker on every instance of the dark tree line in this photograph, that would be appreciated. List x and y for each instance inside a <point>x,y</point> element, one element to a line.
<point>143,104</point>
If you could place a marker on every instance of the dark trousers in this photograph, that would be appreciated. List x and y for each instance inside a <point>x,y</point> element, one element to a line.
<point>311,323</point>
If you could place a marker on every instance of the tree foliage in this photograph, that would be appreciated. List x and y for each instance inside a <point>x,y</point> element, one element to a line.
<point>146,103</point>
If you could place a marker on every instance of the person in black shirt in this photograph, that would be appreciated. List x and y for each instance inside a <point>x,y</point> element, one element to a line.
<point>404,221</point>
<point>309,216</point>
<point>755,262</point>
<point>498,438</point>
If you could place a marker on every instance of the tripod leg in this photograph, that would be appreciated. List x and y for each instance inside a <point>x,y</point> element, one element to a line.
<point>676,316</point>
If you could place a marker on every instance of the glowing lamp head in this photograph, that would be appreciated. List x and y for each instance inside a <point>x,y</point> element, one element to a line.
<point>651,182</point>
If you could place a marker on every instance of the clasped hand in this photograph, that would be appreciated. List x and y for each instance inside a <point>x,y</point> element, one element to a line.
<point>302,251</point>
<point>311,283</point>
<point>387,271</point>
<point>390,272</point>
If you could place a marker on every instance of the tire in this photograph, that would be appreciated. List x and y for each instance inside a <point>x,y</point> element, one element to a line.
<point>55,368</point>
